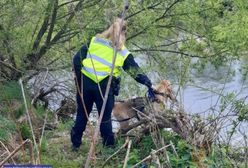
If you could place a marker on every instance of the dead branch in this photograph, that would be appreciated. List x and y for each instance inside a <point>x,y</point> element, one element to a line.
<point>123,146</point>
<point>194,130</point>
<point>150,156</point>
<point>127,154</point>
<point>29,118</point>
<point>14,152</point>
<point>7,151</point>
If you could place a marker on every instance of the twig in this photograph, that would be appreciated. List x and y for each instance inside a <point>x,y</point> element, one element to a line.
<point>149,156</point>
<point>42,133</point>
<point>14,152</point>
<point>28,116</point>
<point>174,149</point>
<point>7,151</point>
<point>127,154</point>
<point>3,154</point>
<point>31,152</point>
<point>155,159</point>
<point>123,146</point>
<point>167,160</point>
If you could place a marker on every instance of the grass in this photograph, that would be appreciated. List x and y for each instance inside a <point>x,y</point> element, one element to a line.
<point>56,145</point>
<point>56,151</point>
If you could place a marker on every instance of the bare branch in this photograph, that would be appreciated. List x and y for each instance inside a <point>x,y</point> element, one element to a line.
<point>156,20</point>
<point>58,35</point>
<point>163,50</point>
<point>123,146</point>
<point>66,3</point>
<point>10,66</point>
<point>149,7</point>
<point>150,156</point>
<point>14,152</point>
<point>127,154</point>
<point>167,10</point>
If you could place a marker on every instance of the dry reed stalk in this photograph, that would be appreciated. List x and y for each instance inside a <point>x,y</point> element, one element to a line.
<point>127,154</point>
<point>7,151</point>
<point>123,146</point>
<point>150,156</point>
<point>14,152</point>
<point>29,118</point>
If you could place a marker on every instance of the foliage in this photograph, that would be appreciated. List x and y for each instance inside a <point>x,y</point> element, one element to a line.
<point>55,151</point>
<point>219,158</point>
<point>173,38</point>
<point>37,34</point>
<point>7,128</point>
<point>10,91</point>
<point>25,131</point>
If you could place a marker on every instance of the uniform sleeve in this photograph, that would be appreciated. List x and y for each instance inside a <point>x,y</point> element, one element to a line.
<point>78,57</point>
<point>132,68</point>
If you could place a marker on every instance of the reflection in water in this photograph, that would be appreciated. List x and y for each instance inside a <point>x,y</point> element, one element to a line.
<point>212,83</point>
<point>204,95</point>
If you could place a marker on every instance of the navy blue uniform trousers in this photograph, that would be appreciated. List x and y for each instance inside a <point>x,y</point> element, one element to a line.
<point>91,94</point>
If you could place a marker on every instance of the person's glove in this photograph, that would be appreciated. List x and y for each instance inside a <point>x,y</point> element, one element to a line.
<point>151,94</point>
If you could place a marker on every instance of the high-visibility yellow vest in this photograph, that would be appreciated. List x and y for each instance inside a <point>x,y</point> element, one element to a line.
<point>98,63</point>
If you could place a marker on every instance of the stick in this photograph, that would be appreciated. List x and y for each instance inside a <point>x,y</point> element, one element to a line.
<point>31,152</point>
<point>127,154</point>
<point>43,128</point>
<point>149,156</point>
<point>14,152</point>
<point>7,151</point>
<point>123,146</point>
<point>29,118</point>
<point>174,149</point>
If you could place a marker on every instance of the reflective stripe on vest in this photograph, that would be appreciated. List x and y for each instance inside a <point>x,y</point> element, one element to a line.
<point>91,70</point>
<point>99,59</point>
<point>98,63</point>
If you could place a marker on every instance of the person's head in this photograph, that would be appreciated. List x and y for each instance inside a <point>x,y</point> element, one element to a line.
<point>116,32</point>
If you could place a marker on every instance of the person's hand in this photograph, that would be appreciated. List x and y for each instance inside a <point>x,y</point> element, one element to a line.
<point>151,94</point>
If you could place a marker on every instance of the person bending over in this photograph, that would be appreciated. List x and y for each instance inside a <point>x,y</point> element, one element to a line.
<point>92,66</point>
